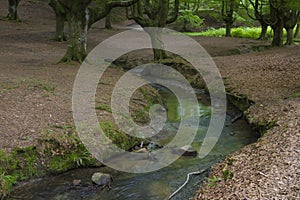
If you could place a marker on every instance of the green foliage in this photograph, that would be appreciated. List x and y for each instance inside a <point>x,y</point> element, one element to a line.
<point>28,161</point>
<point>188,20</point>
<point>211,182</point>
<point>242,32</point>
<point>15,166</point>
<point>6,183</point>
<point>294,95</point>
<point>227,174</point>
<point>104,107</point>
<point>79,157</point>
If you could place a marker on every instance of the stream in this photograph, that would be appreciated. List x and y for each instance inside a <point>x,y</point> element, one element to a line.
<point>156,185</point>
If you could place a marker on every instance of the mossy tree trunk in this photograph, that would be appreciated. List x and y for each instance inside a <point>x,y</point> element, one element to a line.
<point>60,16</point>
<point>228,7</point>
<point>108,21</point>
<point>154,14</point>
<point>264,30</point>
<point>80,18</point>
<point>297,30</point>
<point>13,10</point>
<point>278,33</point>
<point>289,36</point>
<point>256,10</point>
<point>290,21</point>
<point>77,16</point>
<point>276,13</point>
<point>285,14</point>
<point>157,43</point>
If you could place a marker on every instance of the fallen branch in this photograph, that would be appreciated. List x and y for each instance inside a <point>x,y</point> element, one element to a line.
<point>186,181</point>
<point>237,117</point>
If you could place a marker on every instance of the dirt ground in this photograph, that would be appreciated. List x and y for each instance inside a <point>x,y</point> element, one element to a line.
<point>35,95</point>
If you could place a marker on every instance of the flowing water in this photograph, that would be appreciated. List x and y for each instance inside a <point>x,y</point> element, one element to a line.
<point>156,185</point>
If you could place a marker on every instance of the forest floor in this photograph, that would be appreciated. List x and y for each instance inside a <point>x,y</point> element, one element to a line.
<point>36,95</point>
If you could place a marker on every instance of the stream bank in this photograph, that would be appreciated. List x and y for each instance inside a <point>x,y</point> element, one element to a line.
<point>269,168</point>
<point>154,185</point>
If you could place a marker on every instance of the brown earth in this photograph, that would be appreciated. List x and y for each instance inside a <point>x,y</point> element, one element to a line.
<point>35,95</point>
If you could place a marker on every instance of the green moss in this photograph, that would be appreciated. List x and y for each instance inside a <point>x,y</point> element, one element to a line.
<point>242,102</point>
<point>53,154</point>
<point>119,138</point>
<point>80,157</point>
<point>263,126</point>
<point>18,165</point>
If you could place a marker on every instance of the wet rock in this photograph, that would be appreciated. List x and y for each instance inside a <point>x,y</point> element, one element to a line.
<point>140,150</point>
<point>186,150</point>
<point>76,182</point>
<point>232,133</point>
<point>102,179</point>
<point>153,145</point>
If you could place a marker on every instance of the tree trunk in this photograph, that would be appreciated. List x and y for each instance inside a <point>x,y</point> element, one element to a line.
<point>12,10</point>
<point>108,21</point>
<point>290,36</point>
<point>278,33</point>
<point>297,31</point>
<point>76,50</point>
<point>60,16</point>
<point>228,30</point>
<point>60,26</point>
<point>157,44</point>
<point>263,34</point>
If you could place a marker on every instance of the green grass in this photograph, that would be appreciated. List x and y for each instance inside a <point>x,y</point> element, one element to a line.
<point>294,95</point>
<point>104,107</point>
<point>241,32</point>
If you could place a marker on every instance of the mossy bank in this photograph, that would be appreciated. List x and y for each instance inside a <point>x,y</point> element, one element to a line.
<point>56,153</point>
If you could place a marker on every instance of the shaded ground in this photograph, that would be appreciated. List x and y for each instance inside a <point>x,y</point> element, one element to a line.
<point>35,95</point>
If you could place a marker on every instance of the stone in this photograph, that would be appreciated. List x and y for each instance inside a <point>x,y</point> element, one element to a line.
<point>187,150</point>
<point>76,182</point>
<point>140,150</point>
<point>102,179</point>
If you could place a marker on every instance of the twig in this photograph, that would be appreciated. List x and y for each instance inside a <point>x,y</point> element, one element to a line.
<point>187,180</point>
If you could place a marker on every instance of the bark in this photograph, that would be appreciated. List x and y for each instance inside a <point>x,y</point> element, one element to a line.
<point>277,15</point>
<point>157,44</point>
<point>154,14</point>
<point>97,14</point>
<point>263,33</point>
<point>108,21</point>
<point>60,17</point>
<point>290,36</point>
<point>227,15</point>
<point>13,10</point>
<point>77,16</point>
<point>60,26</point>
<point>297,31</point>
<point>291,18</point>
<point>80,18</point>
<point>228,30</point>
<point>278,33</point>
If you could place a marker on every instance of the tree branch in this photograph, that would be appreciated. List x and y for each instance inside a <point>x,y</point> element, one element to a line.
<point>175,13</point>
